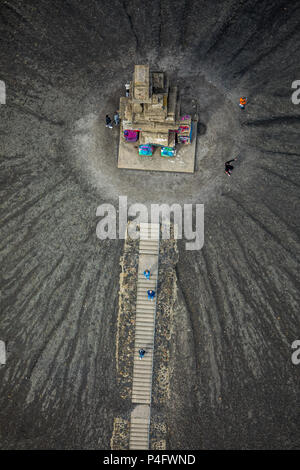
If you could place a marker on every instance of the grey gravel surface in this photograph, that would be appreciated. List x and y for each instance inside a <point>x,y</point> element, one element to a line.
<point>233,384</point>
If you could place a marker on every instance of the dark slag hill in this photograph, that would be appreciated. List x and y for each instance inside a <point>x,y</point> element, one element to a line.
<point>65,64</point>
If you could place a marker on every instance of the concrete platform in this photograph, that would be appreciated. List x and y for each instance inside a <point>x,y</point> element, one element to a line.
<point>184,162</point>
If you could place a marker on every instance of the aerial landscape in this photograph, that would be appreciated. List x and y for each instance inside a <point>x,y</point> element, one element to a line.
<point>156,342</point>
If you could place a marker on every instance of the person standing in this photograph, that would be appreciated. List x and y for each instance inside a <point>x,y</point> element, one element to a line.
<point>228,167</point>
<point>151,294</point>
<point>147,274</point>
<point>108,121</point>
<point>243,102</point>
<point>117,118</point>
<point>141,353</point>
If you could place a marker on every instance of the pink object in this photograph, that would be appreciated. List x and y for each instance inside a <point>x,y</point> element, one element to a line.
<point>131,136</point>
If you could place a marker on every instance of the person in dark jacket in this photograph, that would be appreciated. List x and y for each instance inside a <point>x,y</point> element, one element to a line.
<point>151,294</point>
<point>108,121</point>
<point>141,353</point>
<point>228,167</point>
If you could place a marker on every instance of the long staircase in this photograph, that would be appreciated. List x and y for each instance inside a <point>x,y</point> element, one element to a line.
<point>144,336</point>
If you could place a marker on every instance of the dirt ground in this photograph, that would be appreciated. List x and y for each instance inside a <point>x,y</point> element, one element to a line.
<point>233,384</point>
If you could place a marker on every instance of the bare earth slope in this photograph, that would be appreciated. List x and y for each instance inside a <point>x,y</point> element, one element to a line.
<point>65,65</point>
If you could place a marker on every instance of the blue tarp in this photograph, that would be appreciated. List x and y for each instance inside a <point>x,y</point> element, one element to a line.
<point>167,152</point>
<point>146,150</point>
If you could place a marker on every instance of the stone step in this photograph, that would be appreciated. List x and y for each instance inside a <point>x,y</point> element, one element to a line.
<point>142,289</point>
<point>145,245</point>
<point>143,379</point>
<point>143,301</point>
<point>145,335</point>
<point>149,224</point>
<point>145,369</point>
<point>146,306</point>
<point>145,319</point>
<point>149,350</point>
<point>142,365</point>
<point>145,314</point>
<point>139,444</point>
<point>144,341</point>
<point>147,285</point>
<point>136,426</point>
<point>141,322</point>
<point>139,436</point>
<point>139,420</point>
<point>149,236</point>
<point>145,332</point>
<point>147,382</point>
<point>142,372</point>
<point>142,386</point>
<point>144,325</point>
<point>136,446</point>
<point>150,245</point>
<point>143,298</point>
<point>143,376</point>
<point>143,393</point>
<point>144,328</point>
<point>144,310</point>
<point>140,401</point>
<point>142,390</point>
<point>152,227</point>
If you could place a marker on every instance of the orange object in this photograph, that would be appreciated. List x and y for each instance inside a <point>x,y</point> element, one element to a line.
<point>243,101</point>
